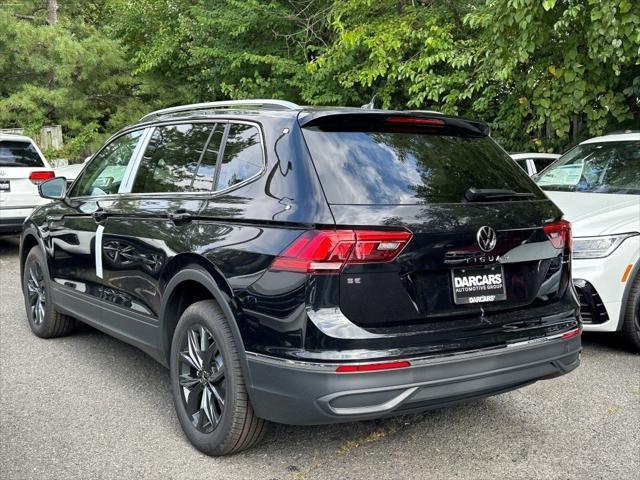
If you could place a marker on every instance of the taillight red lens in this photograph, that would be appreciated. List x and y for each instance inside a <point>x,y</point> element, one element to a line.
<point>559,233</point>
<point>328,251</point>
<point>571,333</point>
<point>37,177</point>
<point>372,367</point>
<point>434,122</point>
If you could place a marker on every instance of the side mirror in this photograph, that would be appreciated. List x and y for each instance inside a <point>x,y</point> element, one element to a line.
<point>54,189</point>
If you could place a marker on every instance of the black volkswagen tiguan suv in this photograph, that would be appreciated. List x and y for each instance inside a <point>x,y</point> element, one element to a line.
<point>308,265</point>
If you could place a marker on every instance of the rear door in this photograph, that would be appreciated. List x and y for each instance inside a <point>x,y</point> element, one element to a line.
<point>22,167</point>
<point>154,220</point>
<point>473,253</point>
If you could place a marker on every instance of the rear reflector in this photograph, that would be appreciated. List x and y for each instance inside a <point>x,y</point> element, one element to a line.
<point>571,333</point>
<point>559,233</point>
<point>328,251</point>
<point>372,367</point>
<point>434,122</point>
<point>37,177</point>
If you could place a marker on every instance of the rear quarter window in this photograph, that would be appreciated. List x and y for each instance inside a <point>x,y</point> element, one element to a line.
<point>242,157</point>
<point>396,167</point>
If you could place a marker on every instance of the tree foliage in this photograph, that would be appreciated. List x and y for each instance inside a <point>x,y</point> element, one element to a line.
<point>544,74</point>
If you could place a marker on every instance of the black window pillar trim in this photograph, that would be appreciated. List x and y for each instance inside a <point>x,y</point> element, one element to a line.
<point>134,164</point>
<point>223,144</point>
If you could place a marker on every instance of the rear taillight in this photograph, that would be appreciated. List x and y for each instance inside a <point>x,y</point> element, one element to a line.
<point>372,367</point>
<point>571,333</point>
<point>328,251</point>
<point>559,233</point>
<point>39,177</point>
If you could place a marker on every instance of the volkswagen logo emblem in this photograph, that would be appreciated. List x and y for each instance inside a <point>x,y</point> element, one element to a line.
<point>487,239</point>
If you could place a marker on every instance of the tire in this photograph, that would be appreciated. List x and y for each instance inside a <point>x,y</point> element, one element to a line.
<point>202,373</point>
<point>631,324</point>
<point>43,319</point>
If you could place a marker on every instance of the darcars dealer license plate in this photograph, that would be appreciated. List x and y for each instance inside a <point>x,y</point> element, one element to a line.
<point>478,285</point>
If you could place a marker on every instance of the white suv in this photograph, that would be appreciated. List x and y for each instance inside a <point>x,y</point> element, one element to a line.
<point>597,186</point>
<point>22,168</point>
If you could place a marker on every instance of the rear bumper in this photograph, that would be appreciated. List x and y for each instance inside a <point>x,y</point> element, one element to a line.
<point>303,393</point>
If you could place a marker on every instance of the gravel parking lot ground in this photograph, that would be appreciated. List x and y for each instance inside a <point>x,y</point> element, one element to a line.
<point>89,406</point>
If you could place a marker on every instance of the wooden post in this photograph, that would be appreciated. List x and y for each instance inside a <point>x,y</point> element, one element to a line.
<point>52,12</point>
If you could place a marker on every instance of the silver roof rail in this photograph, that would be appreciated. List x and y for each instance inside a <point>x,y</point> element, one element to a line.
<point>260,103</point>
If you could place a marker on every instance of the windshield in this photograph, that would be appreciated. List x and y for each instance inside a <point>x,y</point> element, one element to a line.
<point>19,154</point>
<point>608,167</point>
<point>379,167</point>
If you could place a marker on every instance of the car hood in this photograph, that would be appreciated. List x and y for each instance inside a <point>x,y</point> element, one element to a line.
<point>598,213</point>
<point>70,172</point>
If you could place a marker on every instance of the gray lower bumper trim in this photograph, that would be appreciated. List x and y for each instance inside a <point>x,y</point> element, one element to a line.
<point>283,392</point>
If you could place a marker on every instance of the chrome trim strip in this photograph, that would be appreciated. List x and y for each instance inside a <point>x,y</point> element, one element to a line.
<point>333,323</point>
<point>415,362</point>
<point>368,409</point>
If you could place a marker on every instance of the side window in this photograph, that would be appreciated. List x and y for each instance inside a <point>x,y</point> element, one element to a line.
<point>242,156</point>
<point>542,163</point>
<point>105,172</point>
<point>522,162</point>
<point>179,158</point>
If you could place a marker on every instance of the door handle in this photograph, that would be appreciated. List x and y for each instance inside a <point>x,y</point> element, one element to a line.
<point>100,215</point>
<point>180,216</point>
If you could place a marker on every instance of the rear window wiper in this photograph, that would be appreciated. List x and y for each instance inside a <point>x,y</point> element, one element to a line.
<point>493,194</point>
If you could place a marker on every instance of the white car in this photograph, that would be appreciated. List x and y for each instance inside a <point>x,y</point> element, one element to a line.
<point>597,186</point>
<point>22,168</point>
<point>71,172</point>
<point>533,163</point>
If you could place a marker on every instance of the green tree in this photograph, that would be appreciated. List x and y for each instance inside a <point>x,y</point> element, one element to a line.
<point>556,68</point>
<point>68,73</point>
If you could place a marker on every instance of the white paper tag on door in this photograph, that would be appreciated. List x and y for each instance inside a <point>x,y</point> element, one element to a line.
<point>99,251</point>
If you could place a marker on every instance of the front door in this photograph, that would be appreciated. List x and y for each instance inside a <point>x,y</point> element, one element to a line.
<point>76,226</point>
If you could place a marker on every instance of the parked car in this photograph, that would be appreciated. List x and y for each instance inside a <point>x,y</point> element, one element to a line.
<point>532,163</point>
<point>308,265</point>
<point>22,168</point>
<point>71,171</point>
<point>597,186</point>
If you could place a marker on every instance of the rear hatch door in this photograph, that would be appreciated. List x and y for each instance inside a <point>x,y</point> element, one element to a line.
<point>478,249</point>
<point>22,167</point>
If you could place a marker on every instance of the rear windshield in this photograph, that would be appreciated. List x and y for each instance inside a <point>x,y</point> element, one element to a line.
<point>608,167</point>
<point>19,154</point>
<point>391,167</point>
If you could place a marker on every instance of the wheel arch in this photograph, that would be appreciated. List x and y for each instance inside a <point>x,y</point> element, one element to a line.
<point>192,283</point>
<point>28,240</point>
<point>633,275</point>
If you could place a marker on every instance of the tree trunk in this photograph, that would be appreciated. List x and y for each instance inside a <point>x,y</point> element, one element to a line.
<point>52,12</point>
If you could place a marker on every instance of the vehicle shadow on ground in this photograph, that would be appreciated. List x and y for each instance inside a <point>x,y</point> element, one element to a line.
<point>9,244</point>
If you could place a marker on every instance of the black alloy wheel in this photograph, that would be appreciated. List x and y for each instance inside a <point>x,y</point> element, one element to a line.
<point>43,319</point>
<point>208,385</point>
<point>36,293</point>
<point>202,378</point>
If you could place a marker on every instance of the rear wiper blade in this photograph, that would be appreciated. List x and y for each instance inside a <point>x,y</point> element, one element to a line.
<point>484,194</point>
